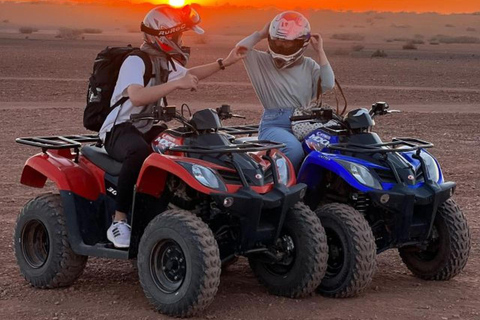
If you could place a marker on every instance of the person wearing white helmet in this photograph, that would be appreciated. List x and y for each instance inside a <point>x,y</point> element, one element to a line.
<point>283,78</point>
<point>128,142</point>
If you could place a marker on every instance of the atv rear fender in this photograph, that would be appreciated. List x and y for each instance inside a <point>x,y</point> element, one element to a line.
<point>153,176</point>
<point>64,172</point>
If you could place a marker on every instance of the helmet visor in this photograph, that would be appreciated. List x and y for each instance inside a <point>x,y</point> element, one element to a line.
<point>285,47</point>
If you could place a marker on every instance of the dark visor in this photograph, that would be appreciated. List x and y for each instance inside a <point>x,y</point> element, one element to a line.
<point>285,47</point>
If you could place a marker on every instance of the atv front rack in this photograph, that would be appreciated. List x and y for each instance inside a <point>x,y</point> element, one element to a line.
<point>259,145</point>
<point>239,130</point>
<point>396,145</point>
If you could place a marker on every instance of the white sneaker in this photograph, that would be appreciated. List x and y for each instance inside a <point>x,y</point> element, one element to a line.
<point>119,234</point>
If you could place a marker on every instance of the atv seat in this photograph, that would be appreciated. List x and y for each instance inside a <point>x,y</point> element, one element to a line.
<point>100,158</point>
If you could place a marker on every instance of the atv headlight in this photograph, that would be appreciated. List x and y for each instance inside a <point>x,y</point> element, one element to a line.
<point>361,174</point>
<point>204,175</point>
<point>282,167</point>
<point>433,171</point>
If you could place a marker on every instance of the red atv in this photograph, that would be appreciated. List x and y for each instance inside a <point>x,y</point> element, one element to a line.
<point>202,198</point>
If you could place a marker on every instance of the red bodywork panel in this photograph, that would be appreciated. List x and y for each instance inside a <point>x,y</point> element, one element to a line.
<point>64,172</point>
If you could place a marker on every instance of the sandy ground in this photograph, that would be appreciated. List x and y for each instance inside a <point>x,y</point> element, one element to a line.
<point>42,89</point>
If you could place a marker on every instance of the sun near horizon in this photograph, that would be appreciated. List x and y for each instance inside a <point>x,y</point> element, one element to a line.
<point>443,7</point>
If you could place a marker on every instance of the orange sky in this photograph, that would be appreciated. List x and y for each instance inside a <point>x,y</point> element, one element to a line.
<point>441,6</point>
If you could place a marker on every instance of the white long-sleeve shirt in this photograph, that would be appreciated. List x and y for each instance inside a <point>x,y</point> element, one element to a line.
<point>288,88</point>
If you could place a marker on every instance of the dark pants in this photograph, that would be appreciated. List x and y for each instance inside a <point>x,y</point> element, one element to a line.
<point>126,144</point>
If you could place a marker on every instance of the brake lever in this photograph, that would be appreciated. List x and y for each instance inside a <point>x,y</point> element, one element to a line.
<point>238,116</point>
<point>394,111</point>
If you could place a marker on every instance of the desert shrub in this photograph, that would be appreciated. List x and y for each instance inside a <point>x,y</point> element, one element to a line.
<point>27,30</point>
<point>400,26</point>
<point>434,42</point>
<point>6,21</point>
<point>471,29</point>
<point>358,26</point>
<point>448,25</point>
<point>414,40</point>
<point>358,47</point>
<point>348,36</point>
<point>200,39</point>
<point>450,39</point>
<point>69,33</point>
<point>419,36</point>
<point>342,52</point>
<point>379,54</point>
<point>92,31</point>
<point>409,46</point>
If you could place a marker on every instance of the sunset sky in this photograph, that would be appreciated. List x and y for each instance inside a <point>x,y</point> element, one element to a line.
<point>441,6</point>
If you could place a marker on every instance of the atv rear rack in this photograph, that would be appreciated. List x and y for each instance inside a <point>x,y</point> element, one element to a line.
<point>59,142</point>
<point>396,145</point>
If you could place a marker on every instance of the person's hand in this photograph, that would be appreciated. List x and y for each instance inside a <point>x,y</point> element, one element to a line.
<point>317,42</point>
<point>235,55</point>
<point>188,81</point>
<point>264,31</point>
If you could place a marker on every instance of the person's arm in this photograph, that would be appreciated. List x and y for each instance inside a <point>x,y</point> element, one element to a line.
<point>326,72</point>
<point>250,41</point>
<point>206,70</point>
<point>141,96</point>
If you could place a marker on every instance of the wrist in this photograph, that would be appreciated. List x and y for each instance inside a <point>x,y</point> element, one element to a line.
<point>222,63</point>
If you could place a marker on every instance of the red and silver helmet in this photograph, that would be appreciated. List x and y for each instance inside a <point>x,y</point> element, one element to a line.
<point>163,27</point>
<point>288,38</point>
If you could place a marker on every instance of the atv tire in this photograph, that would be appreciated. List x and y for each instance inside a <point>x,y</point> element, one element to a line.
<point>179,263</point>
<point>446,256</point>
<point>303,275</point>
<point>352,251</point>
<point>41,245</point>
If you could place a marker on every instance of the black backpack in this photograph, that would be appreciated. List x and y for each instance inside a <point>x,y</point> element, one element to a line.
<point>103,80</point>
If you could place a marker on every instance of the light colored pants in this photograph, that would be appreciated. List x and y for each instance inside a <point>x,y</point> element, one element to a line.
<point>275,126</point>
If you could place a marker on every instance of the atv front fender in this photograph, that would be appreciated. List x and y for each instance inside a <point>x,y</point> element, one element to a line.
<point>153,176</point>
<point>317,163</point>
<point>64,172</point>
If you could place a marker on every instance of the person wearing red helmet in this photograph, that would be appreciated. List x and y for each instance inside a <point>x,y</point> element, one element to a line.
<point>128,142</point>
<point>283,78</point>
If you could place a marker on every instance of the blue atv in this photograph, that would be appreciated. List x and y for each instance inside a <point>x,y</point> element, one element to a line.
<point>372,196</point>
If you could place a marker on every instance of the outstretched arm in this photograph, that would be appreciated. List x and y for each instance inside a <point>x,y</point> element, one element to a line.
<point>142,96</point>
<point>206,70</point>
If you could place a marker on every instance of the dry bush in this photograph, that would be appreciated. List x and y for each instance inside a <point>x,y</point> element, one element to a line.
<point>358,47</point>
<point>448,25</point>
<point>6,21</point>
<point>409,46</point>
<point>348,36</point>
<point>359,26</point>
<point>379,54</point>
<point>400,26</point>
<point>470,29</point>
<point>419,36</point>
<point>434,42</point>
<point>450,39</point>
<point>92,31</point>
<point>27,30</point>
<point>342,52</point>
<point>414,40</point>
<point>200,39</point>
<point>69,33</point>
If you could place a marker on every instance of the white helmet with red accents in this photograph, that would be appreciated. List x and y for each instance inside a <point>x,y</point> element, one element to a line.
<point>163,27</point>
<point>288,38</point>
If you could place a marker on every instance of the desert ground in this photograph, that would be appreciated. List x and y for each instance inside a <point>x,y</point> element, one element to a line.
<point>42,92</point>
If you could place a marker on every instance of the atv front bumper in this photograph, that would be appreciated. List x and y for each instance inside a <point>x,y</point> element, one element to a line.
<point>261,216</point>
<point>413,211</point>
